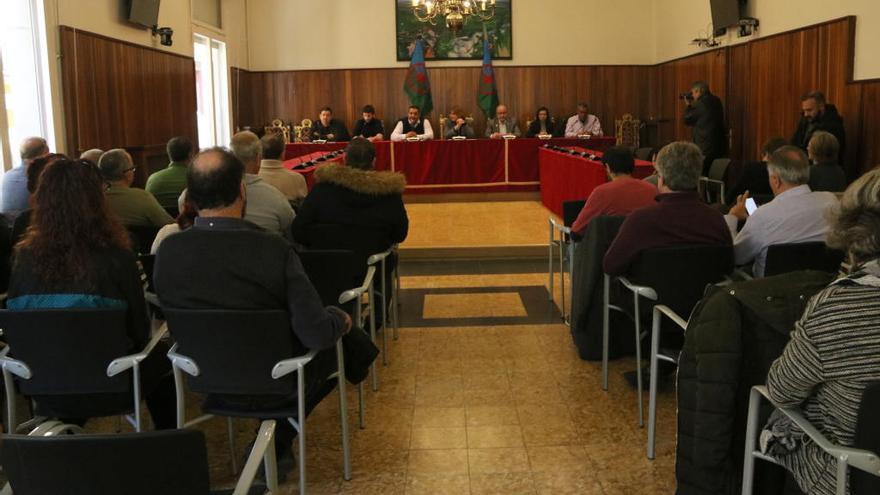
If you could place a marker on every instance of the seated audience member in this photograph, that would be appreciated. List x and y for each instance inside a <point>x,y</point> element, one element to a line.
<point>796,214</point>
<point>184,221</point>
<point>620,196</point>
<point>272,170</point>
<point>134,206</point>
<point>412,126</point>
<point>543,125</point>
<point>678,218</point>
<point>328,128</point>
<point>826,174</point>
<point>457,125</point>
<point>14,195</point>
<point>817,115</point>
<point>266,206</point>
<point>502,125</point>
<point>369,127</point>
<point>76,254</point>
<point>204,267</point>
<point>834,351</point>
<point>583,122</point>
<point>166,185</point>
<point>355,195</point>
<point>92,155</point>
<point>23,220</point>
<point>754,174</point>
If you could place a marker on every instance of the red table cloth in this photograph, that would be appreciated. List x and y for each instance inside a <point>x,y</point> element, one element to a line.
<point>566,177</point>
<point>309,172</point>
<point>445,166</point>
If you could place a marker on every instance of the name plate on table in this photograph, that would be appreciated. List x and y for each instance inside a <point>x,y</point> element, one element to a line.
<point>584,136</point>
<point>458,138</point>
<point>508,136</point>
<point>319,141</point>
<point>545,136</point>
<point>412,139</point>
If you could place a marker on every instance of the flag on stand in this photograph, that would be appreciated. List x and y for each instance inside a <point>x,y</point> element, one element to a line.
<point>487,92</point>
<point>417,85</point>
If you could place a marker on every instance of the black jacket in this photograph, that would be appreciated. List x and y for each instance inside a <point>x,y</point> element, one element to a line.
<point>827,177</point>
<point>363,210</point>
<point>369,129</point>
<point>228,263</point>
<point>553,129</point>
<point>336,127</point>
<point>754,179</point>
<point>733,336</point>
<point>829,121</point>
<point>706,116</point>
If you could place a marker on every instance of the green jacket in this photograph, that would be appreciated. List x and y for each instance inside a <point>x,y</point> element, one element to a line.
<point>166,185</point>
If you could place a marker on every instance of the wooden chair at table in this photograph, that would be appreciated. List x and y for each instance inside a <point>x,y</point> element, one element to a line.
<point>627,131</point>
<point>301,131</point>
<point>278,127</point>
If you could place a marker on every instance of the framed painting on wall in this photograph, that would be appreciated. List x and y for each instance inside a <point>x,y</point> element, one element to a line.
<point>442,44</point>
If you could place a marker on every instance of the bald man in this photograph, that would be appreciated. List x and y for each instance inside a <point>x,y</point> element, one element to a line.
<point>502,125</point>
<point>14,196</point>
<point>225,262</point>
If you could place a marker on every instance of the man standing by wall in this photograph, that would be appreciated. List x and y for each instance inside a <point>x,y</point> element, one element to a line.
<point>705,113</point>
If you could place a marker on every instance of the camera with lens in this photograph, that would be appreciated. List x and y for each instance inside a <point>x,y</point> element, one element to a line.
<point>687,96</point>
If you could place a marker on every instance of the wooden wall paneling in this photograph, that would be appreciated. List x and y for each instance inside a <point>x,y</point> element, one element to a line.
<point>121,95</point>
<point>869,132</point>
<point>738,80</point>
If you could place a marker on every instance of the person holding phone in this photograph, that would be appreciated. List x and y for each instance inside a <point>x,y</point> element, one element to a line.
<point>796,213</point>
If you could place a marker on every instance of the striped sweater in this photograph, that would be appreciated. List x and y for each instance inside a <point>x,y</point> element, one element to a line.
<point>834,353</point>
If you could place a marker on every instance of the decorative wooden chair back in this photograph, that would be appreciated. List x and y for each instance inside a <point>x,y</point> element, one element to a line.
<point>278,127</point>
<point>627,131</point>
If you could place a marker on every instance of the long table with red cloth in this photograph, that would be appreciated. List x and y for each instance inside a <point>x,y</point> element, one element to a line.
<point>309,172</point>
<point>567,177</point>
<point>473,165</point>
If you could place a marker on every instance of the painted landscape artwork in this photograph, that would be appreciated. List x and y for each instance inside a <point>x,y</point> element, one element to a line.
<point>467,43</point>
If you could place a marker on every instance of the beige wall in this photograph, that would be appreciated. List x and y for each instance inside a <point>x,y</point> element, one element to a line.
<point>305,34</point>
<point>679,21</point>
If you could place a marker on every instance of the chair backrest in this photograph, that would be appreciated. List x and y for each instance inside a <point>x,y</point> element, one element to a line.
<point>331,271</point>
<point>718,168</point>
<point>571,210</point>
<point>643,154</point>
<point>142,237</point>
<point>679,274</point>
<point>170,462</point>
<point>235,350</point>
<point>364,241</point>
<point>68,350</point>
<point>868,438</point>
<point>784,258</point>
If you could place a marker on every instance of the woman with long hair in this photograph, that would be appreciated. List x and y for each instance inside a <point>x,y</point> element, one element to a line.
<point>76,254</point>
<point>543,125</point>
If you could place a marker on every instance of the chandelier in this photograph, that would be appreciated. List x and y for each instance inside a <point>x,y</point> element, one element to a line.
<point>456,12</point>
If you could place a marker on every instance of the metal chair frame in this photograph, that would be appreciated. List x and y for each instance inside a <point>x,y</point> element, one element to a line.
<point>846,456</point>
<point>565,246</point>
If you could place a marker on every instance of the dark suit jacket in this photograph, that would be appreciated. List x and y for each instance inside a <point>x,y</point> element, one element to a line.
<point>754,179</point>
<point>827,177</point>
<point>829,121</point>
<point>553,129</point>
<point>706,116</point>
<point>228,263</point>
<point>336,127</point>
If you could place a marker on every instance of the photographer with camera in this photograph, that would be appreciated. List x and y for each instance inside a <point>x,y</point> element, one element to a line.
<point>705,114</point>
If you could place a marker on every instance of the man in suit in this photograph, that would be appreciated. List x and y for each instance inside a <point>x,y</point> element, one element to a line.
<point>818,115</point>
<point>458,126</point>
<point>502,125</point>
<point>705,113</point>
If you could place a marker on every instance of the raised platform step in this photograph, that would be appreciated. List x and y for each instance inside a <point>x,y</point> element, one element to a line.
<point>508,252</point>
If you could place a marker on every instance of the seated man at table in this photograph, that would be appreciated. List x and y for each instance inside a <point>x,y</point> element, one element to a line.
<point>679,217</point>
<point>205,267</point>
<point>543,125</point>
<point>413,126</point>
<point>328,128</point>
<point>369,127</point>
<point>273,171</point>
<point>796,214</point>
<point>457,126</point>
<point>620,196</point>
<point>502,125</point>
<point>582,123</point>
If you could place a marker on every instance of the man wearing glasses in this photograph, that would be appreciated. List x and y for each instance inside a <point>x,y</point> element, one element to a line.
<point>136,207</point>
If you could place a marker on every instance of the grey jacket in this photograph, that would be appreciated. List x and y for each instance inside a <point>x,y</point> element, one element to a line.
<point>512,127</point>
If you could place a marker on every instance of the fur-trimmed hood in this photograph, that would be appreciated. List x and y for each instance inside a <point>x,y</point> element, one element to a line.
<point>369,182</point>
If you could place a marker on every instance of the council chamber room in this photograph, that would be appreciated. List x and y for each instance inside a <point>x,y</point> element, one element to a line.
<point>440,247</point>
